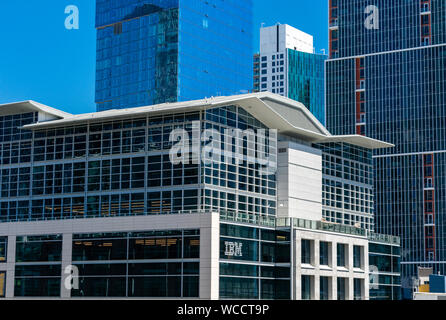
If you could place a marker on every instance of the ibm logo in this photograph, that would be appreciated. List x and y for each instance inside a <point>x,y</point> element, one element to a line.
<point>233,249</point>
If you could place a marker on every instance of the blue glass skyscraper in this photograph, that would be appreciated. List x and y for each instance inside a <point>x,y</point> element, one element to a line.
<point>156,51</point>
<point>387,79</point>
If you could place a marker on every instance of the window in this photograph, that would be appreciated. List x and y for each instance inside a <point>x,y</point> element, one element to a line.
<point>37,280</point>
<point>324,253</point>
<point>357,256</point>
<point>431,256</point>
<point>306,251</point>
<point>362,107</point>
<point>307,287</point>
<point>156,269</point>
<point>342,287</point>
<point>358,285</point>
<point>39,248</point>
<point>325,288</point>
<point>341,255</point>
<point>430,231</point>
<point>362,118</point>
<point>429,219</point>
<point>242,288</point>
<point>430,243</point>
<point>362,96</point>
<point>428,207</point>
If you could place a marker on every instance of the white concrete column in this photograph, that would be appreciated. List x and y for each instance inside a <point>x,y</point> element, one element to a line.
<point>317,287</point>
<point>367,275</point>
<point>317,254</point>
<point>298,266</point>
<point>67,250</point>
<point>316,262</point>
<point>350,283</point>
<point>10,266</point>
<point>210,258</point>
<point>334,256</point>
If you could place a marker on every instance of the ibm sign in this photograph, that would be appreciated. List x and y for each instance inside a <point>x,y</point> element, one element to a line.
<point>233,249</point>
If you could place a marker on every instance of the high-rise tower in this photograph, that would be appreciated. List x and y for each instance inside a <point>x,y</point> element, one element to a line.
<point>156,51</point>
<point>386,78</point>
<point>287,65</point>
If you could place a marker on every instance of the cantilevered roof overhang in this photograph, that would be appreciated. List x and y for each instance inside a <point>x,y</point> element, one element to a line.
<point>31,106</point>
<point>289,117</point>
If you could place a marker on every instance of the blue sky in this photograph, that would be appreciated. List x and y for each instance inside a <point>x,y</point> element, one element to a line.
<point>43,61</point>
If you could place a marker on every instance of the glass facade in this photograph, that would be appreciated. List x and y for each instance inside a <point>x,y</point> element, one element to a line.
<point>137,264</point>
<point>122,168</point>
<point>347,185</point>
<point>254,263</point>
<point>385,271</point>
<point>38,268</point>
<point>388,83</point>
<point>153,51</point>
<point>306,81</point>
<point>398,25</point>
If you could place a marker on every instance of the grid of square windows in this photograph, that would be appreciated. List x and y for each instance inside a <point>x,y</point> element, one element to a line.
<point>68,162</point>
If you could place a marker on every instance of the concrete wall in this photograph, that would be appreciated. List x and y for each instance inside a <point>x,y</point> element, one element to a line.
<point>289,38</point>
<point>315,270</point>
<point>299,182</point>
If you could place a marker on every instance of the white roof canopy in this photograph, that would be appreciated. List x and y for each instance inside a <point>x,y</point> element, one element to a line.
<point>31,106</point>
<point>276,112</point>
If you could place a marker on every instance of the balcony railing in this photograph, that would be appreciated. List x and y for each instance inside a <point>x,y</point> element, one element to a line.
<point>384,238</point>
<point>261,220</point>
<point>320,225</point>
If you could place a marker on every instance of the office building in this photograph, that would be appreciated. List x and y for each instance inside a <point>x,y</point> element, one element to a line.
<point>288,66</point>
<point>386,80</point>
<point>156,51</point>
<point>98,205</point>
